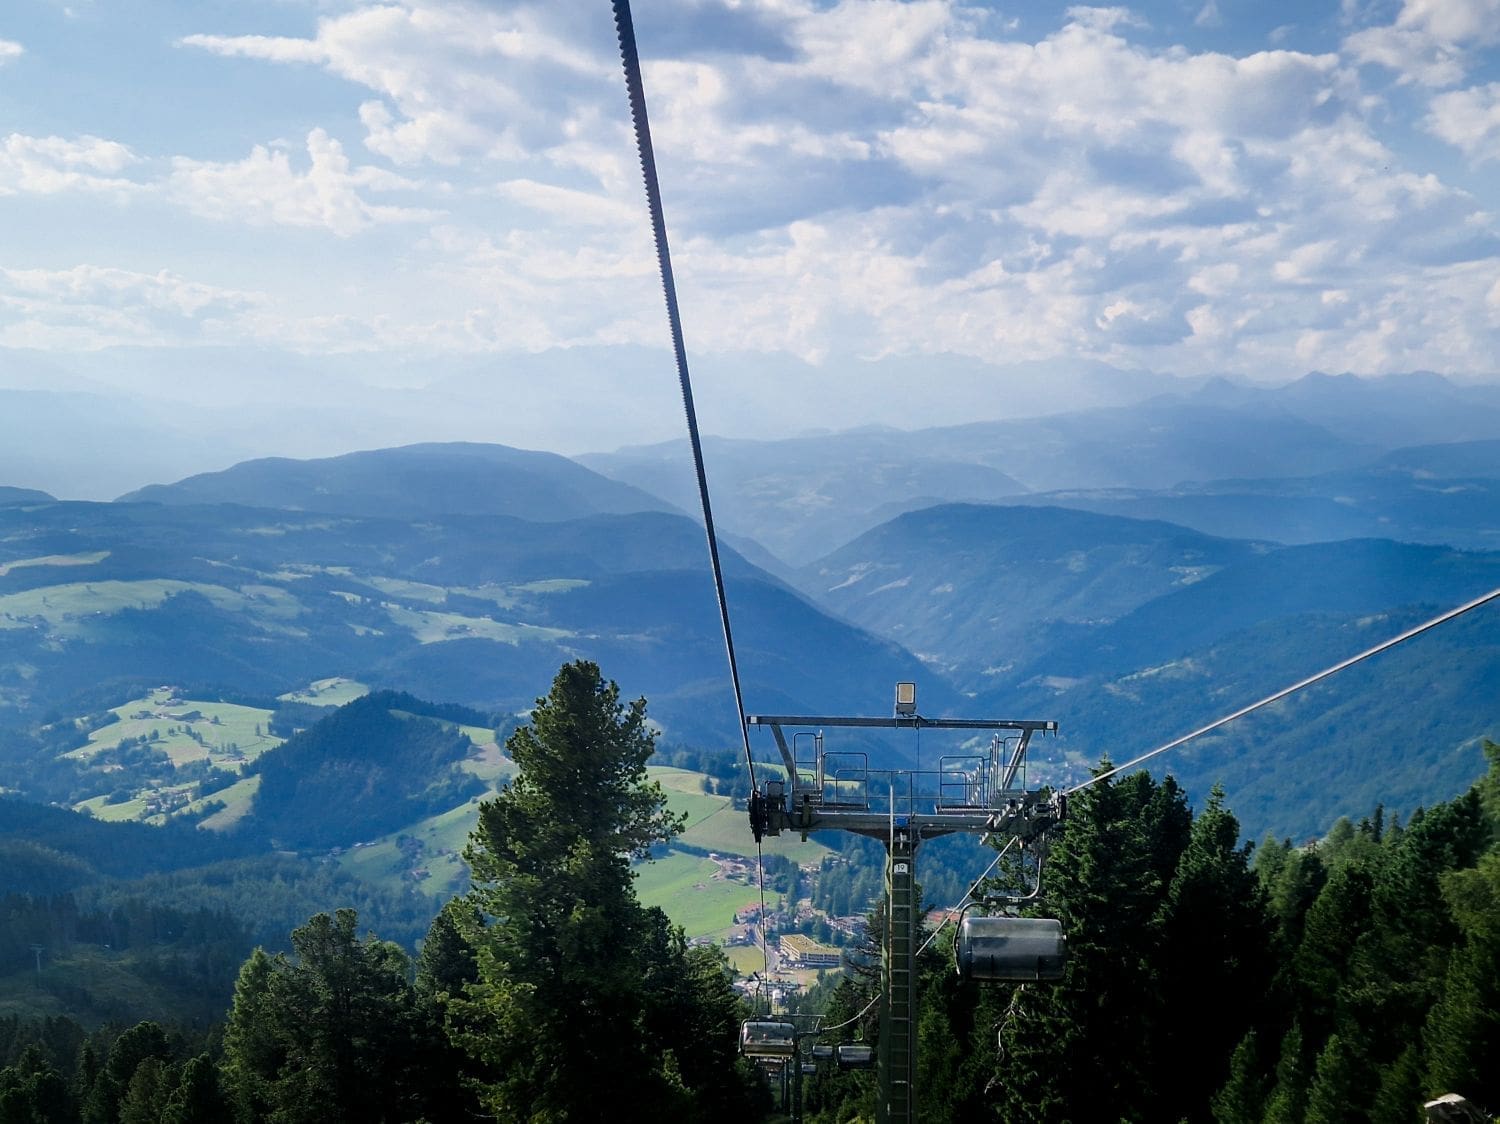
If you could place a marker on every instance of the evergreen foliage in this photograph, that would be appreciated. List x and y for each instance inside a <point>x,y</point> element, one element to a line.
<point>580,988</point>
<point>337,1034</point>
<point>362,771</point>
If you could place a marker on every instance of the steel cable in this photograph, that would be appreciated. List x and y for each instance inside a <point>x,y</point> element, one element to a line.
<point>636,91</point>
<point>626,32</point>
<point>1442,618</point>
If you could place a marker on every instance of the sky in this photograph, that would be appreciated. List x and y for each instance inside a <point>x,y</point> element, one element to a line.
<point>424,219</point>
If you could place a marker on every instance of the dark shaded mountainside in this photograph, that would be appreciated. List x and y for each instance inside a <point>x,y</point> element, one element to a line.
<point>1131,633</point>
<point>475,608</point>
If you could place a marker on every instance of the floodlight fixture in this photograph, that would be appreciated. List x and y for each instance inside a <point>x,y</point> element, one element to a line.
<point>906,699</point>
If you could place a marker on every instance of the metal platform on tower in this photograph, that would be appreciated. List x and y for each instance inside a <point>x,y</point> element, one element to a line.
<point>977,791</point>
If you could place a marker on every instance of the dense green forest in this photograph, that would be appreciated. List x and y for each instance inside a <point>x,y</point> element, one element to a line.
<point>1207,980</point>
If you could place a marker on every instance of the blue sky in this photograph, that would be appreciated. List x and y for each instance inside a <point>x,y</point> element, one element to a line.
<point>882,212</point>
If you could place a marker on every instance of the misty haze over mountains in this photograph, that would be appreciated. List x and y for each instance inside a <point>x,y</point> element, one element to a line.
<point>1130,570</point>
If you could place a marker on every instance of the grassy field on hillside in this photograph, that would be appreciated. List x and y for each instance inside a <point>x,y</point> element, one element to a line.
<point>434,627</point>
<point>443,838</point>
<point>328,692</point>
<point>69,608</point>
<point>714,824</point>
<point>683,885</point>
<point>186,730</point>
<point>86,558</point>
<point>236,798</point>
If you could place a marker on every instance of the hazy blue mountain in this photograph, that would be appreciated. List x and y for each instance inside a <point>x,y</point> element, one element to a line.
<point>1233,512</point>
<point>1131,632</point>
<point>413,482</point>
<point>1436,494</point>
<point>1393,410</point>
<point>1354,580</point>
<point>1403,728</point>
<point>1472,459</point>
<point>973,589</point>
<point>23,495</point>
<point>1208,456</point>
<point>801,496</point>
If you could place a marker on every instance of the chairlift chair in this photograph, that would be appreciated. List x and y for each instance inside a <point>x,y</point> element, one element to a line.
<point>856,1056</point>
<point>768,1038</point>
<point>1011,949</point>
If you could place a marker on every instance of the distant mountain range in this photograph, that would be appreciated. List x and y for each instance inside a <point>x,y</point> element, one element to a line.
<point>1131,571</point>
<point>473,608</point>
<point>1306,462</point>
<point>414,482</point>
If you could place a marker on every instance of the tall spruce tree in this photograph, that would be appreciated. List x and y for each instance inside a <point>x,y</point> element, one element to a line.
<point>1105,881</point>
<point>1462,1036</point>
<point>559,1011</point>
<point>1215,963</point>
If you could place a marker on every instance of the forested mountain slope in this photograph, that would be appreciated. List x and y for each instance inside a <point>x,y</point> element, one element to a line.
<point>976,589</point>
<point>111,599</point>
<point>1130,633</point>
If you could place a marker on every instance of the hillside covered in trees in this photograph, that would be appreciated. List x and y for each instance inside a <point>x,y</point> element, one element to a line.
<point>1208,979</point>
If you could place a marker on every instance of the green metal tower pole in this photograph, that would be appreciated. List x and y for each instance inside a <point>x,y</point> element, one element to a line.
<point>897,1103</point>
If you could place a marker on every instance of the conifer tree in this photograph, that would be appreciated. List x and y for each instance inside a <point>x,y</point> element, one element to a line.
<point>1462,1036</point>
<point>1400,1089</point>
<point>1105,883</point>
<point>334,1035</point>
<point>1242,1100</point>
<point>558,1010</point>
<point>1339,1093</point>
<point>1214,962</point>
<point>1287,1103</point>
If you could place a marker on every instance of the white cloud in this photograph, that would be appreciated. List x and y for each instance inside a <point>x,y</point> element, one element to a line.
<point>10,50</point>
<point>267,47</point>
<point>49,165</point>
<point>874,178</point>
<point>89,306</point>
<point>265,188</point>
<point>1468,120</point>
<point>1430,40</point>
<point>454,78</point>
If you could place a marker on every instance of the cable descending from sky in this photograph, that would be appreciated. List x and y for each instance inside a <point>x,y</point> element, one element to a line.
<point>636,90</point>
<point>1443,618</point>
<point>625,29</point>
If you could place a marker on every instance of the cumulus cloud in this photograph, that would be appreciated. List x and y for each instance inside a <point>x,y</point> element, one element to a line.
<point>89,306</point>
<point>1430,40</point>
<point>454,79</point>
<point>1468,120</point>
<point>49,165</point>
<point>265,188</point>
<point>872,178</point>
<point>9,50</point>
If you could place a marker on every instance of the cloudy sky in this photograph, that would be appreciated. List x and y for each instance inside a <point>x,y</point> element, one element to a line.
<point>894,212</point>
